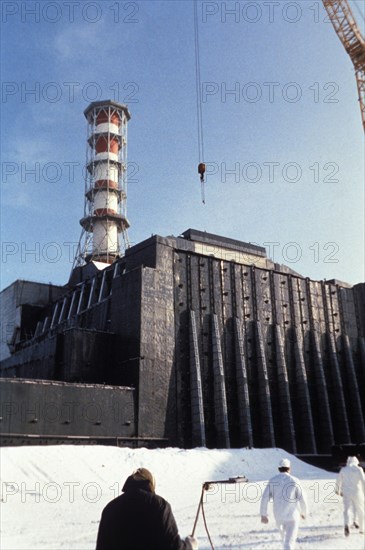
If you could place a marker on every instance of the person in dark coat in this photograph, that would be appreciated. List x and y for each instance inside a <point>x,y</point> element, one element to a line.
<point>140,520</point>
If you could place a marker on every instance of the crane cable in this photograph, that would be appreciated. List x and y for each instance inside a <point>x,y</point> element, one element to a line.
<point>199,98</point>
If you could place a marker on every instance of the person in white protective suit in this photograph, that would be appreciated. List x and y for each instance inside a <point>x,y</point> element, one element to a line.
<point>289,504</point>
<point>350,484</point>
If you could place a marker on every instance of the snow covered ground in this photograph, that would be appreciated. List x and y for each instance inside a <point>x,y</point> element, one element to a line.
<point>52,497</point>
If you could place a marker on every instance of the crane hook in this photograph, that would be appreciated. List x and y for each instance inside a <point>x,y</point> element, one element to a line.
<point>201,171</point>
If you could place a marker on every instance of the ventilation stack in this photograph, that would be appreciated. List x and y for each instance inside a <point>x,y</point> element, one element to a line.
<point>105,218</point>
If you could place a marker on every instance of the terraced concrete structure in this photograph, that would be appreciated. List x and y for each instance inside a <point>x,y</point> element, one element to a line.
<point>221,346</point>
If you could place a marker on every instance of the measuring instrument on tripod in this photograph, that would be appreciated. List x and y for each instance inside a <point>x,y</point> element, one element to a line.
<point>205,487</point>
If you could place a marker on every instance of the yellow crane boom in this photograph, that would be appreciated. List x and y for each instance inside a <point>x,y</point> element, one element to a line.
<point>345,25</point>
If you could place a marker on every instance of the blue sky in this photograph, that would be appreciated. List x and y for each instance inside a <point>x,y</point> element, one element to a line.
<point>291,132</point>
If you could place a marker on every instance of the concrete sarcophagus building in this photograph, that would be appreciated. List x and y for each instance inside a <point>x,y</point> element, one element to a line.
<point>207,342</point>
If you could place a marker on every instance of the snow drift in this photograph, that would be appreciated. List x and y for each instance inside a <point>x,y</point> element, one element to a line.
<point>52,497</point>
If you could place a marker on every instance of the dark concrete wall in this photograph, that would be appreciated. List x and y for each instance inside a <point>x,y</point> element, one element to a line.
<point>156,391</point>
<point>54,408</point>
<point>73,355</point>
<point>280,357</point>
<point>21,302</point>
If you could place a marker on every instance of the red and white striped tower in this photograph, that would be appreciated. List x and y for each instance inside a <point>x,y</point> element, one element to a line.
<point>105,213</point>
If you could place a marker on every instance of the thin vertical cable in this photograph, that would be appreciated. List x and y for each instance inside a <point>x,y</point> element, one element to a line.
<point>198,95</point>
<point>198,86</point>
